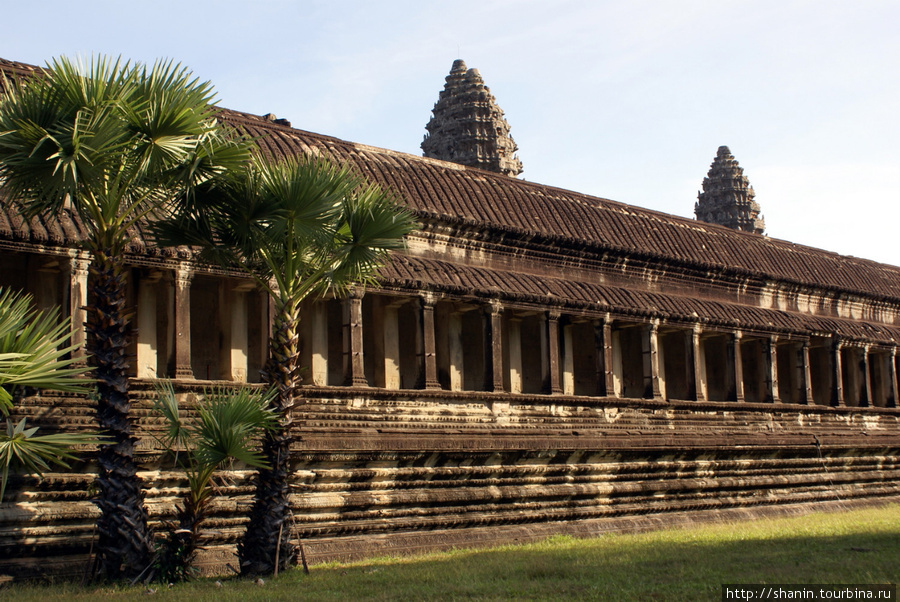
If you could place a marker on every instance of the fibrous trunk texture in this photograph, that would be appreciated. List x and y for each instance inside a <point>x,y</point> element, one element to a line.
<point>179,551</point>
<point>124,542</point>
<point>259,551</point>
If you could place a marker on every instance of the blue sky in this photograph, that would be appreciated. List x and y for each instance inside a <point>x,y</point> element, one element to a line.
<point>626,100</point>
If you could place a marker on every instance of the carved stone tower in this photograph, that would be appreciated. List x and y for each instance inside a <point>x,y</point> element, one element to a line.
<point>467,126</point>
<point>727,197</point>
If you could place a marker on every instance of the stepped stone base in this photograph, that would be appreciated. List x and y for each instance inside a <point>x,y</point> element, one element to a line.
<point>379,473</point>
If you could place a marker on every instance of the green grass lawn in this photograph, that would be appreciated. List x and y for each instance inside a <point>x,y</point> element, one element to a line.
<point>861,546</point>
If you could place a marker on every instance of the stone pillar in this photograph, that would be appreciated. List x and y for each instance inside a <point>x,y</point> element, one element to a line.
<point>771,357</point>
<point>545,352</point>
<point>266,315</point>
<point>568,371</point>
<point>838,397</point>
<point>79,264</point>
<point>738,360</point>
<point>650,344</point>
<point>805,375</point>
<point>240,344</point>
<point>603,341</point>
<point>147,356</point>
<point>318,343</point>
<point>496,331</point>
<point>429,348</point>
<point>456,352</point>
<point>699,362</point>
<point>391,346</point>
<point>515,355</point>
<point>867,382</point>
<point>894,400</point>
<point>183,276</point>
<point>354,368</point>
<point>553,377</point>
<point>487,348</point>
<point>618,370</point>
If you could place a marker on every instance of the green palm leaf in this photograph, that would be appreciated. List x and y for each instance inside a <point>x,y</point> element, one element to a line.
<point>34,350</point>
<point>21,449</point>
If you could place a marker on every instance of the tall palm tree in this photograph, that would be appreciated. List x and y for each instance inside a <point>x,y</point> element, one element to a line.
<point>114,142</point>
<point>33,353</point>
<point>300,227</point>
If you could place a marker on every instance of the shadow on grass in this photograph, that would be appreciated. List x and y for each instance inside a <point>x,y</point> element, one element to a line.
<point>605,570</point>
<point>681,564</point>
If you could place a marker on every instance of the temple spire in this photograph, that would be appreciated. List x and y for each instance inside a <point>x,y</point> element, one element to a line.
<point>727,197</point>
<point>467,126</point>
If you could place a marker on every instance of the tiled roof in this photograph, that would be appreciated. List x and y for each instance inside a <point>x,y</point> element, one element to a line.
<point>491,202</point>
<point>485,200</point>
<point>453,278</point>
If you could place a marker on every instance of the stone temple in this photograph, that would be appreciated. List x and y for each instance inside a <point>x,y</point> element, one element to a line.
<point>727,197</point>
<point>467,126</point>
<point>538,361</point>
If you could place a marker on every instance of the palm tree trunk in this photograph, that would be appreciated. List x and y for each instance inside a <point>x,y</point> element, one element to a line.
<point>179,551</point>
<point>124,543</point>
<point>271,506</point>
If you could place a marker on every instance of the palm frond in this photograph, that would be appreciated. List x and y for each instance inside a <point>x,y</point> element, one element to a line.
<point>21,449</point>
<point>229,424</point>
<point>34,350</point>
<point>176,434</point>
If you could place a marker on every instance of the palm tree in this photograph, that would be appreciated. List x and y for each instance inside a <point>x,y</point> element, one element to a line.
<point>227,428</point>
<point>299,227</point>
<point>33,354</point>
<point>114,142</point>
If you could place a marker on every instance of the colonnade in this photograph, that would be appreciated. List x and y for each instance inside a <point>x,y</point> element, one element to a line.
<point>210,327</point>
<point>428,342</point>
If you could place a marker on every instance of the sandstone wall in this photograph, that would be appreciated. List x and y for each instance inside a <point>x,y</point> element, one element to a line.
<point>394,472</point>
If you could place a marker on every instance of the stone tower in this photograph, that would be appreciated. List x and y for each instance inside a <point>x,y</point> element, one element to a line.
<point>727,197</point>
<point>467,126</point>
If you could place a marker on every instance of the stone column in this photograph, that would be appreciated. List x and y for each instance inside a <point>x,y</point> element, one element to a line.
<point>650,344</point>
<point>867,381</point>
<point>552,386</point>
<point>771,356</point>
<point>429,348</point>
<point>318,342</point>
<point>806,374</point>
<point>354,368</point>
<point>183,276</point>
<point>895,392</point>
<point>603,341</point>
<point>391,345</point>
<point>545,352</point>
<point>618,369</point>
<point>515,355</point>
<point>496,332</point>
<point>147,356</point>
<point>455,349</point>
<point>738,360</point>
<point>568,371</point>
<point>266,315</point>
<point>78,268</point>
<point>487,348</point>
<point>699,363</point>
<point>838,398</point>
<point>240,327</point>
